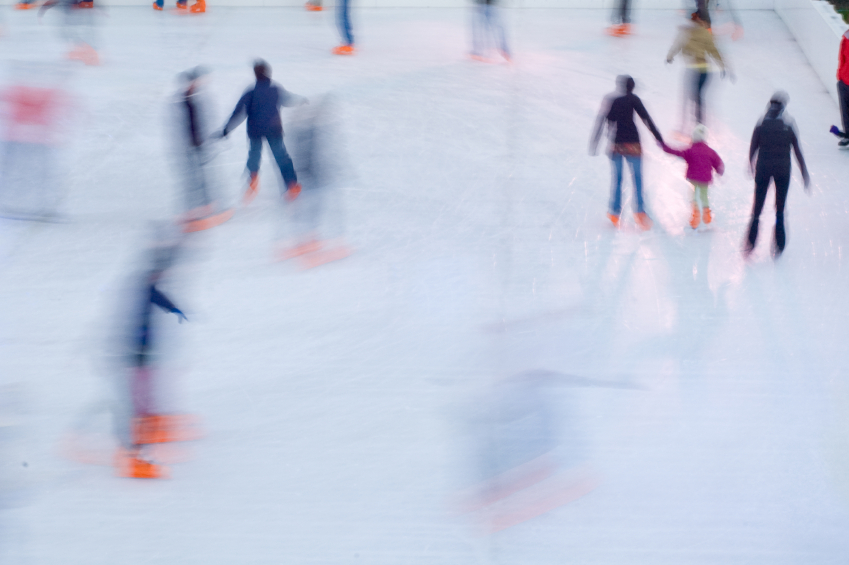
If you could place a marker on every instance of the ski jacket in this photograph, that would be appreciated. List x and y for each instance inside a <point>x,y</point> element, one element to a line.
<point>696,43</point>
<point>618,114</point>
<point>261,105</point>
<point>843,59</point>
<point>772,139</point>
<point>701,161</point>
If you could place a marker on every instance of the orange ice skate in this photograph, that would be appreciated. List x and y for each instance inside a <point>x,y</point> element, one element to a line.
<point>614,219</point>
<point>343,50</point>
<point>253,189</point>
<point>694,219</point>
<point>707,217</point>
<point>128,464</point>
<point>198,7</point>
<point>643,221</point>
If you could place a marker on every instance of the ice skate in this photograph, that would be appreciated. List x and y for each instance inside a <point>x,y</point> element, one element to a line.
<point>25,6</point>
<point>694,219</point>
<point>292,192</point>
<point>297,250</point>
<point>614,219</point>
<point>129,465</point>
<point>157,7</point>
<point>207,221</point>
<point>329,254</point>
<point>181,7</point>
<point>643,221</point>
<point>344,50</point>
<point>85,54</point>
<point>313,7</point>
<point>164,428</point>
<point>198,7</point>
<point>707,217</point>
<point>253,189</point>
<point>85,4</point>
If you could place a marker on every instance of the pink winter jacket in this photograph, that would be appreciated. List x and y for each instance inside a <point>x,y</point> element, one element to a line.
<point>701,160</point>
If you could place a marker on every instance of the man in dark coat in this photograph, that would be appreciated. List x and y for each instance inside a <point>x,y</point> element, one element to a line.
<point>261,106</point>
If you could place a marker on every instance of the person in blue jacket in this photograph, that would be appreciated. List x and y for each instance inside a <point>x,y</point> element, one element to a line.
<point>261,106</point>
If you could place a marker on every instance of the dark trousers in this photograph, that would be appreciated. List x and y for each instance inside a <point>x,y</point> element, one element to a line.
<point>275,142</point>
<point>843,93</point>
<point>699,81</point>
<point>763,176</point>
<point>623,14</point>
<point>343,19</point>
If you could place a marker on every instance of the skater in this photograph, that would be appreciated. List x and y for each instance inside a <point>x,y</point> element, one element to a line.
<point>146,425</point>
<point>843,88</point>
<point>696,43</point>
<point>261,105</point>
<point>621,19</point>
<point>78,29</point>
<point>34,112</point>
<point>343,20</point>
<point>701,162</point>
<point>772,140</point>
<point>618,114</point>
<point>315,218</point>
<point>486,24</point>
<point>199,7</point>
<point>202,211</point>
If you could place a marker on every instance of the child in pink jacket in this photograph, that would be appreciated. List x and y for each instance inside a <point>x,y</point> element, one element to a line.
<point>701,162</point>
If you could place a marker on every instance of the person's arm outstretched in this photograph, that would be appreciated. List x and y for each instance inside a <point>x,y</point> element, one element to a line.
<point>599,127</point>
<point>288,99</point>
<point>239,114</point>
<point>644,115</point>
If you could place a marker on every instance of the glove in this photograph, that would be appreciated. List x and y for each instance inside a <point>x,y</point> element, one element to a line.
<point>668,60</point>
<point>180,316</point>
<point>836,131</point>
<point>807,179</point>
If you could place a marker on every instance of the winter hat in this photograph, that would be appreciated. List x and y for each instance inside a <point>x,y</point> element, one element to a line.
<point>699,133</point>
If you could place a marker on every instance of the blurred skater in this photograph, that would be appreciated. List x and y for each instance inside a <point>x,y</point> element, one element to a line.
<point>199,7</point>
<point>261,106</point>
<point>145,424</point>
<point>201,209</point>
<point>77,29</point>
<point>343,21</point>
<point>843,89</point>
<point>621,19</point>
<point>772,140</point>
<point>617,113</point>
<point>696,42</point>
<point>315,226</point>
<point>487,28</point>
<point>701,162</point>
<point>33,109</point>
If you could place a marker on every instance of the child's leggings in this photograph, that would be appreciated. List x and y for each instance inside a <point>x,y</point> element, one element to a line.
<point>700,193</point>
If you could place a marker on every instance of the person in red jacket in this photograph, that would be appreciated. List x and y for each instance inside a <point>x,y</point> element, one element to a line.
<point>843,85</point>
<point>701,162</point>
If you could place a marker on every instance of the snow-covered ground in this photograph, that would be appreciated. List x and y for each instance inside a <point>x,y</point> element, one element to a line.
<point>692,408</point>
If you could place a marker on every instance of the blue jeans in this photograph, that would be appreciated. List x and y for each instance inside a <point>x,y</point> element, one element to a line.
<point>616,188</point>
<point>287,168</point>
<point>486,21</point>
<point>343,16</point>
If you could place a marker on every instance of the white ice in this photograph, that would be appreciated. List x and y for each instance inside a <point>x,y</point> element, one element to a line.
<point>705,398</point>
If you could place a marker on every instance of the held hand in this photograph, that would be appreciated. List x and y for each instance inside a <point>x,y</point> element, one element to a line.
<point>668,60</point>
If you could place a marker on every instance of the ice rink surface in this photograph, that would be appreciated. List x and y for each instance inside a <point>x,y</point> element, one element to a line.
<point>671,403</point>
